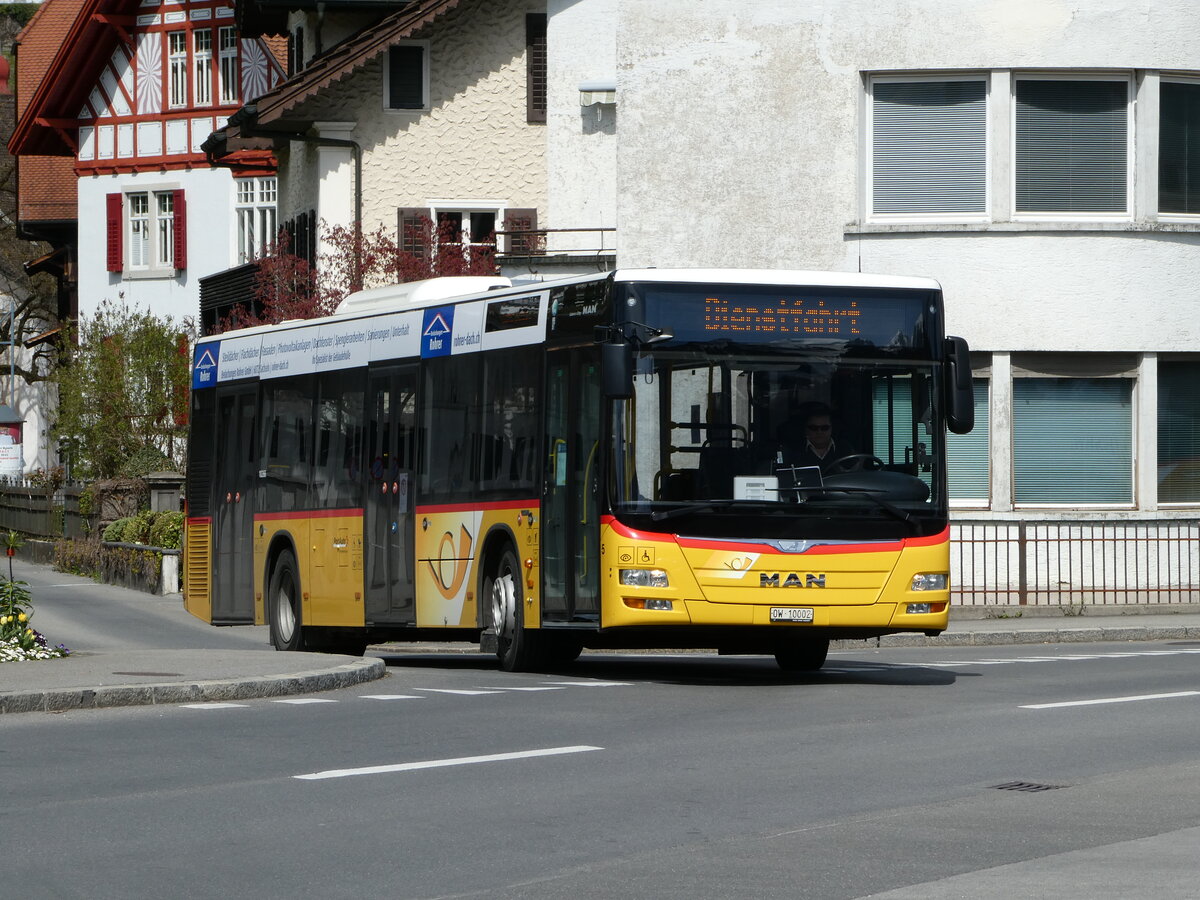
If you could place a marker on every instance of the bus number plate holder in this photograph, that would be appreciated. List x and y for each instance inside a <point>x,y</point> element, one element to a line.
<point>791,614</point>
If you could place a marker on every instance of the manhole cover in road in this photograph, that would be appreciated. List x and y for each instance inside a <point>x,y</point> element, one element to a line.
<point>153,674</point>
<point>1029,787</point>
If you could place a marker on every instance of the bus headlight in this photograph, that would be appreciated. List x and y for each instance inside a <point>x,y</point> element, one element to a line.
<point>930,581</point>
<point>649,578</point>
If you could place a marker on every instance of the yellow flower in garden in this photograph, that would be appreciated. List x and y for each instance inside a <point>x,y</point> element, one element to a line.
<point>22,618</point>
<point>3,620</point>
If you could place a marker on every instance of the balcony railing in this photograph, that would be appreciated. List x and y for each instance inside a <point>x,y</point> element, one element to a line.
<point>546,244</point>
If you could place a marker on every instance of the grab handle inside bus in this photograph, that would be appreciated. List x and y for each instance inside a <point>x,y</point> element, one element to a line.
<point>960,392</point>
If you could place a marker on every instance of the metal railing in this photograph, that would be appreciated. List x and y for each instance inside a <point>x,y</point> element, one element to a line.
<point>1075,563</point>
<point>555,242</point>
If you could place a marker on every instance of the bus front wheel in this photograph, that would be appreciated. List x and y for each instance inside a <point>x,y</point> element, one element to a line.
<point>502,587</point>
<point>284,604</point>
<point>805,655</point>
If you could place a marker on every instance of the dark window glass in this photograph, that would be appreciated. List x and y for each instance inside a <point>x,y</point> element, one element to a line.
<point>406,77</point>
<point>1179,148</point>
<point>1178,432</point>
<point>515,312</point>
<point>337,476</point>
<point>509,433</point>
<point>450,422</point>
<point>287,443</point>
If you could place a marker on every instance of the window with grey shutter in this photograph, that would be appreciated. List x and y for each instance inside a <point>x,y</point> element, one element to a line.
<point>1179,148</point>
<point>929,148</point>
<point>1072,146</point>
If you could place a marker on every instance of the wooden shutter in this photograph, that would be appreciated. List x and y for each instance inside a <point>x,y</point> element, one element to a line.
<point>535,67</point>
<point>180,211</point>
<point>413,230</point>
<point>115,250</point>
<point>526,241</point>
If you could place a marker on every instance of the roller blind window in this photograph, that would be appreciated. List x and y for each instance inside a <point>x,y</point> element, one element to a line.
<point>1072,146</point>
<point>929,148</point>
<point>1073,440</point>
<point>968,455</point>
<point>1178,432</point>
<point>1179,148</point>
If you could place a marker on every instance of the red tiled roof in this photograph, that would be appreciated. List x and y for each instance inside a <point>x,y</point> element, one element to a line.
<point>46,189</point>
<point>38,44</point>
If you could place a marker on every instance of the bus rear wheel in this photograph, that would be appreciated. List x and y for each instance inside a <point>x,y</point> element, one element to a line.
<point>502,586</point>
<point>283,601</point>
<point>805,655</point>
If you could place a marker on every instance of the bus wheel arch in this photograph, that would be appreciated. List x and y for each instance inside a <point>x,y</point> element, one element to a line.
<point>283,598</point>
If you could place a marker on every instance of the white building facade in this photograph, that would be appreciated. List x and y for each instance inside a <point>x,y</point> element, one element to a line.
<point>1039,159</point>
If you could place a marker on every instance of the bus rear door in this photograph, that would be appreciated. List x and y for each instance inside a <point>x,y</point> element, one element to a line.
<point>233,483</point>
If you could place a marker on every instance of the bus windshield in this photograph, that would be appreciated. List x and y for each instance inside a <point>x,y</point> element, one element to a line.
<point>813,416</point>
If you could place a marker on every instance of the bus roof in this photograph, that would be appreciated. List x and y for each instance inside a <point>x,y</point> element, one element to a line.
<point>436,291</point>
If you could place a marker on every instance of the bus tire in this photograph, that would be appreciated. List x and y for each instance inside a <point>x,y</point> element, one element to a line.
<point>514,645</point>
<point>283,604</point>
<point>806,655</point>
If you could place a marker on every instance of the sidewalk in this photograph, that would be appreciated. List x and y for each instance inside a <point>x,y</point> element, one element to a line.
<point>95,680</point>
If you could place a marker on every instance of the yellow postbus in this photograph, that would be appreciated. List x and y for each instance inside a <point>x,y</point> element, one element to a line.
<point>747,460</point>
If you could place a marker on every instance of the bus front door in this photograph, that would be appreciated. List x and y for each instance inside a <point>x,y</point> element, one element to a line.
<point>234,478</point>
<point>391,449</point>
<point>570,557</point>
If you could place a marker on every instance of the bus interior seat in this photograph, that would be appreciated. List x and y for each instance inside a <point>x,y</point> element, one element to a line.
<point>676,484</point>
<point>718,465</point>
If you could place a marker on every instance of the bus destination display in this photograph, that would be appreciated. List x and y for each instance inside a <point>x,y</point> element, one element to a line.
<point>879,321</point>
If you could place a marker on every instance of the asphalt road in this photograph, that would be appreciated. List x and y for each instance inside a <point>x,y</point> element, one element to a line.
<point>1045,771</point>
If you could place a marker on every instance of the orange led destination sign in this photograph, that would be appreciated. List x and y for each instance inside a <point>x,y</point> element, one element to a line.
<point>800,316</point>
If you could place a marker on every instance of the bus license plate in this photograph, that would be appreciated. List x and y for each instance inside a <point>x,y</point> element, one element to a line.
<point>791,614</point>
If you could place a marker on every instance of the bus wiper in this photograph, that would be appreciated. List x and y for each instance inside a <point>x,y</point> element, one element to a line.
<point>886,506</point>
<point>710,505</point>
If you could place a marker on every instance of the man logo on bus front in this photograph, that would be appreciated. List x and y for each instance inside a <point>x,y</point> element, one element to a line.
<point>792,581</point>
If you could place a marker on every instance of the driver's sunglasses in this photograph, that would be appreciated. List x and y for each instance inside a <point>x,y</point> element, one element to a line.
<point>819,427</point>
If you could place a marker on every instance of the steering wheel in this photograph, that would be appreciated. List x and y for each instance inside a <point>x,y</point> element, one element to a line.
<point>856,462</point>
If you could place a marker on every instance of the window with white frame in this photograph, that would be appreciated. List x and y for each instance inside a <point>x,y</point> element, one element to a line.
<point>1178,431</point>
<point>202,52</point>
<point>406,78</point>
<point>1071,139</point>
<point>1072,440</point>
<point>256,216</point>
<point>151,229</point>
<point>928,147</point>
<point>1179,148</point>
<point>470,227</point>
<point>228,68</point>
<point>177,69</point>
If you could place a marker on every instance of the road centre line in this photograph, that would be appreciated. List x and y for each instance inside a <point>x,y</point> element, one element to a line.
<point>1104,700</point>
<point>444,763</point>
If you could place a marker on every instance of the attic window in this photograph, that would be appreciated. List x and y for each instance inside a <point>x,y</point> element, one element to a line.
<point>407,77</point>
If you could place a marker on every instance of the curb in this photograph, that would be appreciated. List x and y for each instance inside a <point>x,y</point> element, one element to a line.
<point>1039,636</point>
<point>351,673</point>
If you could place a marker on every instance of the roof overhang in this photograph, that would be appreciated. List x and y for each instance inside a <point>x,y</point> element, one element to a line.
<point>275,113</point>
<point>43,130</point>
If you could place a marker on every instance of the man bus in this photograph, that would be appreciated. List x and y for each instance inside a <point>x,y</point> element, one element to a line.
<point>593,462</point>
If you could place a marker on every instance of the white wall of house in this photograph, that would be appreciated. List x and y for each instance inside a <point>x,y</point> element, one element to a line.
<point>581,154</point>
<point>211,239</point>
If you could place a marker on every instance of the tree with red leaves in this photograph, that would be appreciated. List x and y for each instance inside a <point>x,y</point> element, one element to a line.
<point>287,286</point>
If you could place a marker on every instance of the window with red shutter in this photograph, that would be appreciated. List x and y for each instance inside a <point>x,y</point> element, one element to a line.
<point>180,230</point>
<point>114,227</point>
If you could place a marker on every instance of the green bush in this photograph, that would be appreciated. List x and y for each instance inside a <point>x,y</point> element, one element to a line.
<point>87,501</point>
<point>115,531</point>
<point>167,530</point>
<point>145,461</point>
<point>138,530</point>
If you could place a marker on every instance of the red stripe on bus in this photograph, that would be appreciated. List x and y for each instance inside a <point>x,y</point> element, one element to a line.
<point>757,547</point>
<point>308,514</point>
<point>200,520</point>
<point>470,507</point>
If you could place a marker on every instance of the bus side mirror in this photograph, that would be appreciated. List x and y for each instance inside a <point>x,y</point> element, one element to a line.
<point>616,365</point>
<point>960,392</point>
